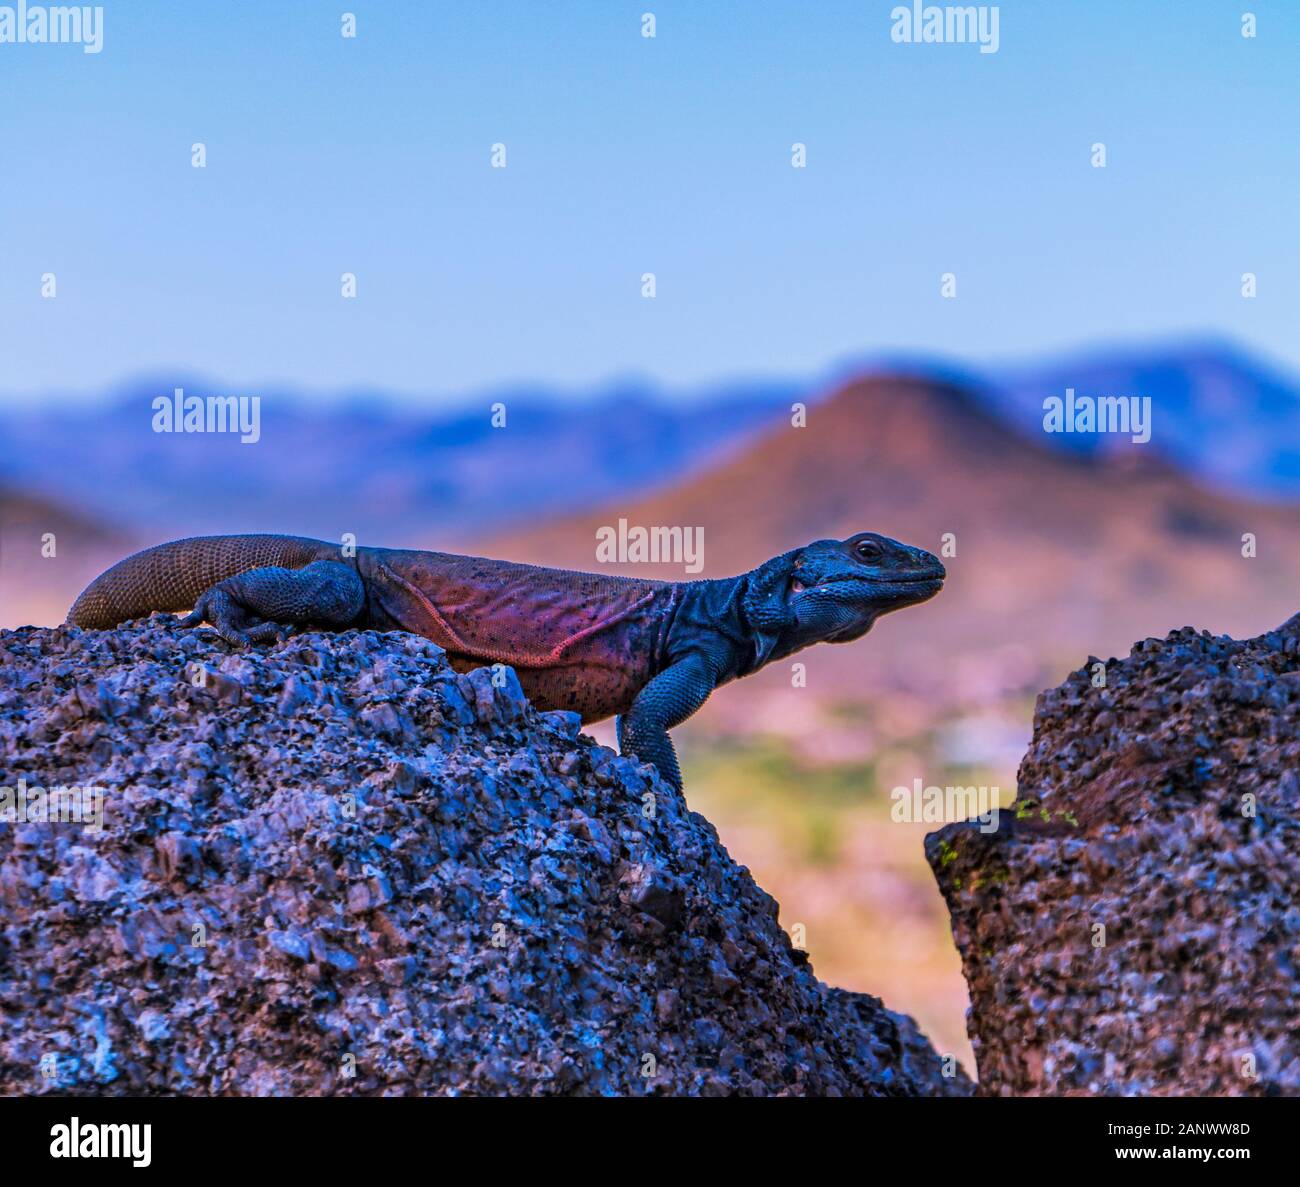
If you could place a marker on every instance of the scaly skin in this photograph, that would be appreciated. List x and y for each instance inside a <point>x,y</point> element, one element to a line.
<point>650,652</point>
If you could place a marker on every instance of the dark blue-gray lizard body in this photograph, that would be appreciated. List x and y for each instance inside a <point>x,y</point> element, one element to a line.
<point>599,645</point>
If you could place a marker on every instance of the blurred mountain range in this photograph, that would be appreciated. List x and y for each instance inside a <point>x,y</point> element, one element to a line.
<point>372,465</point>
<point>366,465</point>
<point>1219,413</point>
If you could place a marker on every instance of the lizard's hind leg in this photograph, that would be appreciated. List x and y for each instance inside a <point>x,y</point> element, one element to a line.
<point>256,606</point>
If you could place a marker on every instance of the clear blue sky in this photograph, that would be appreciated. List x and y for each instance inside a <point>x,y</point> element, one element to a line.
<point>628,155</point>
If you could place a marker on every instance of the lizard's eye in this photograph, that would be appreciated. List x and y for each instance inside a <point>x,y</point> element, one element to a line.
<point>869,550</point>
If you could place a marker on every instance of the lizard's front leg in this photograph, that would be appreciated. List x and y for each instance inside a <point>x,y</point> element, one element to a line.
<point>255,606</point>
<point>666,701</point>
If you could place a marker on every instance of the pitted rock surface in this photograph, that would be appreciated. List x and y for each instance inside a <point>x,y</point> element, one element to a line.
<point>1133,926</point>
<point>336,866</point>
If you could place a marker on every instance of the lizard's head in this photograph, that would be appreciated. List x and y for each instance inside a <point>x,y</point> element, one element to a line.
<point>833,591</point>
<point>838,588</point>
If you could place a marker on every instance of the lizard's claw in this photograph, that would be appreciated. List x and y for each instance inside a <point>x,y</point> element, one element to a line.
<point>261,631</point>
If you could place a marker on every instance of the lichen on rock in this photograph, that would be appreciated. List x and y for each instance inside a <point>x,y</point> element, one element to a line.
<point>336,866</point>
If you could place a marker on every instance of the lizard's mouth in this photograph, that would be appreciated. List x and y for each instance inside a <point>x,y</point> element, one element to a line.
<point>907,589</point>
<point>912,589</point>
<point>926,584</point>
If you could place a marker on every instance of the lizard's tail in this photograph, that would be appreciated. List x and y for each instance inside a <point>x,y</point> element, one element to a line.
<point>172,576</point>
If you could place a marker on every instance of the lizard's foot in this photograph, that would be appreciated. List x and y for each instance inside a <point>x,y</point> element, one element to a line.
<point>233,622</point>
<point>263,605</point>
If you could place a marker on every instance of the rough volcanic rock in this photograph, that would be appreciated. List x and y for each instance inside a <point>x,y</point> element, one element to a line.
<point>1133,925</point>
<point>335,866</point>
